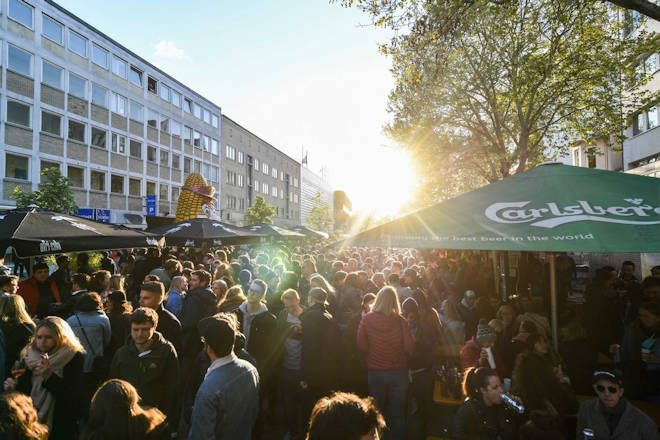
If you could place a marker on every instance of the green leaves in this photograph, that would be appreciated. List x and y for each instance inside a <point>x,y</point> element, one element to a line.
<point>53,194</point>
<point>319,217</point>
<point>260,212</point>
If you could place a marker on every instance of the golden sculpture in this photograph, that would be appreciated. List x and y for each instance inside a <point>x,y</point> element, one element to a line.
<point>196,199</point>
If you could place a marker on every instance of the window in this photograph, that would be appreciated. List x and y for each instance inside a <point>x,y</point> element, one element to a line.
<point>76,131</point>
<point>76,176</point>
<point>282,194</point>
<point>197,111</point>
<point>175,193</point>
<point>51,123</point>
<point>116,184</point>
<point>264,168</point>
<point>119,67</point>
<point>176,99</point>
<point>152,85</point>
<point>295,182</point>
<point>164,158</point>
<point>652,117</point>
<point>136,111</point>
<point>197,139</point>
<point>187,134</point>
<point>256,164</point>
<point>99,96</point>
<point>231,178</point>
<point>151,153</point>
<point>18,113</point>
<point>135,149</point>
<point>21,12</point>
<point>51,75</point>
<point>652,64</point>
<point>45,164</point>
<point>295,198</point>
<point>241,157</point>
<point>152,118</point>
<point>77,86</point>
<point>264,188</point>
<point>187,105</point>
<point>176,161</point>
<point>186,165</point>
<point>240,180</point>
<point>639,123</point>
<point>77,44</point>
<point>207,116</point>
<point>164,124</point>
<point>282,175</point>
<point>99,56</point>
<point>134,187</point>
<point>198,166</point>
<point>97,180</point>
<point>214,121</point>
<point>52,29</point>
<point>175,128</point>
<point>164,92</point>
<point>206,171</point>
<point>164,191</point>
<point>118,143</point>
<point>230,152</point>
<point>206,143</point>
<point>19,61</point>
<point>273,173</point>
<point>256,186</point>
<point>214,146</point>
<point>118,104</point>
<point>151,189</point>
<point>241,204</point>
<point>135,76</point>
<point>231,202</point>
<point>98,137</point>
<point>17,167</point>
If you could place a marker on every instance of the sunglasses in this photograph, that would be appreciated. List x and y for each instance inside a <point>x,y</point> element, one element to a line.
<point>611,390</point>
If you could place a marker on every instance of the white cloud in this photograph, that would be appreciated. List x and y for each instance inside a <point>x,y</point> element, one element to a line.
<point>167,49</point>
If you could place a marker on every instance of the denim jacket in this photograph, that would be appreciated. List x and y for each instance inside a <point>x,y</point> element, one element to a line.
<point>218,413</point>
<point>97,330</point>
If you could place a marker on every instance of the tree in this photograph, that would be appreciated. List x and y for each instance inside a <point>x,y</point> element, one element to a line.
<point>645,7</point>
<point>486,89</point>
<point>53,194</point>
<point>260,212</point>
<point>319,217</point>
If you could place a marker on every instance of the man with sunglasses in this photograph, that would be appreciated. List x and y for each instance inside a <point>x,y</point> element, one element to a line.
<point>611,416</point>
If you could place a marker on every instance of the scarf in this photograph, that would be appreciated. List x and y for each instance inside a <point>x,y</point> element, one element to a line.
<point>42,399</point>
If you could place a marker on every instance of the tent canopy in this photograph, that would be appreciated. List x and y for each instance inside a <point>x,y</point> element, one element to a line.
<point>309,232</point>
<point>33,231</point>
<point>553,208</point>
<point>204,231</point>
<point>274,231</point>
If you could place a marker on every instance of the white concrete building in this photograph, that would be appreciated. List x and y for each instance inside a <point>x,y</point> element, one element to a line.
<point>313,184</point>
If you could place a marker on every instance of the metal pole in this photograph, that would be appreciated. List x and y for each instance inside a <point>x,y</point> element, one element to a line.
<point>553,301</point>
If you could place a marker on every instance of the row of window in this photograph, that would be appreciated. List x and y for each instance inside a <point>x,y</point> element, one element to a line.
<point>273,191</point>
<point>238,203</point>
<point>646,120</point>
<point>23,13</point>
<point>648,67</point>
<point>232,154</point>
<point>647,160</point>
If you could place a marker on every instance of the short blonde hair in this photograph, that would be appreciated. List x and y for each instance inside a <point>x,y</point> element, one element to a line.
<point>289,294</point>
<point>387,302</point>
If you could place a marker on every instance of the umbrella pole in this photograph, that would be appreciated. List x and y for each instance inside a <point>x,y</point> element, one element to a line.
<point>553,301</point>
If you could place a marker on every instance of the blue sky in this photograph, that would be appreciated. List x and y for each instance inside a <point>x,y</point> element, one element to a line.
<point>299,73</point>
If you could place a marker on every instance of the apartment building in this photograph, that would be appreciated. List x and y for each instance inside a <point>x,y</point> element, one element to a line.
<point>598,154</point>
<point>252,167</point>
<point>312,185</point>
<point>118,127</point>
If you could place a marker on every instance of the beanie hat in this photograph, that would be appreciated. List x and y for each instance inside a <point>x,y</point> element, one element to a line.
<point>484,332</point>
<point>409,306</point>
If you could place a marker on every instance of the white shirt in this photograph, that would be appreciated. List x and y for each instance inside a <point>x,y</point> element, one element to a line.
<point>219,362</point>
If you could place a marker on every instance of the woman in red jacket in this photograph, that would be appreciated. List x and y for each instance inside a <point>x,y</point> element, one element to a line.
<point>383,334</point>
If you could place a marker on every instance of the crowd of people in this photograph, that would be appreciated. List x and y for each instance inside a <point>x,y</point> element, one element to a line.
<point>309,342</point>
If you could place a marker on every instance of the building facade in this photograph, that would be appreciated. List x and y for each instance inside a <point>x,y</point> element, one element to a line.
<point>118,127</point>
<point>312,185</point>
<point>596,155</point>
<point>641,149</point>
<point>252,167</point>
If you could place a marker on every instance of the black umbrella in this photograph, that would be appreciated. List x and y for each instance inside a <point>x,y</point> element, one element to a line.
<point>274,231</point>
<point>309,232</point>
<point>33,231</point>
<point>204,231</point>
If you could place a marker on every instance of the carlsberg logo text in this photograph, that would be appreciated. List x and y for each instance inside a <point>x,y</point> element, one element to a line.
<point>551,214</point>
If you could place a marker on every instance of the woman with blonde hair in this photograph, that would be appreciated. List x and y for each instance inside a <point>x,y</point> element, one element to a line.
<point>17,327</point>
<point>116,283</point>
<point>233,299</point>
<point>115,413</point>
<point>320,281</point>
<point>176,294</point>
<point>384,335</point>
<point>52,377</point>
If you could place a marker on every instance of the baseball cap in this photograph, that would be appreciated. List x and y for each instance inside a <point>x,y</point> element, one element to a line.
<point>319,294</point>
<point>608,374</point>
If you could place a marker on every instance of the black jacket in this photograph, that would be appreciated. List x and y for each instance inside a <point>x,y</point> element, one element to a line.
<point>154,375</point>
<point>67,391</point>
<point>262,343</point>
<point>473,423</point>
<point>17,337</point>
<point>198,304</point>
<point>320,339</point>
<point>170,327</point>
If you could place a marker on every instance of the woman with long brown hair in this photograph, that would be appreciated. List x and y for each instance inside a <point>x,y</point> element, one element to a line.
<point>18,418</point>
<point>17,327</point>
<point>53,376</point>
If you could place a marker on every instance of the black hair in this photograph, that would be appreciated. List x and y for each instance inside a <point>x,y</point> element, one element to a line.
<point>475,379</point>
<point>344,416</point>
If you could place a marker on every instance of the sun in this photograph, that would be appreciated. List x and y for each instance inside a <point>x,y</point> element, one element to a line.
<point>387,186</point>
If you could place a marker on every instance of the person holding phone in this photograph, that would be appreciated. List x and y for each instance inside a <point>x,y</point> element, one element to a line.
<point>54,365</point>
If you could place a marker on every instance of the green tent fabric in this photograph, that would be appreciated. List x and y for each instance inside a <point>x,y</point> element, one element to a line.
<point>553,207</point>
